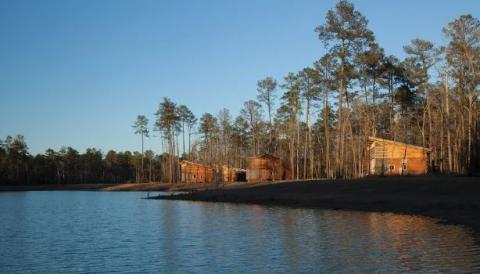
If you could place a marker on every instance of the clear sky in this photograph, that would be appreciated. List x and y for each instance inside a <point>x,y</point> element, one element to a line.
<point>76,73</point>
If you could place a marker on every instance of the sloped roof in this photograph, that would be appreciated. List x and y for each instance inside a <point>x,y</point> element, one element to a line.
<point>381,140</point>
<point>194,164</point>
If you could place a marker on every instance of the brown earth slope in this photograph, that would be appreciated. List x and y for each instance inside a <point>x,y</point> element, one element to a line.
<point>451,199</point>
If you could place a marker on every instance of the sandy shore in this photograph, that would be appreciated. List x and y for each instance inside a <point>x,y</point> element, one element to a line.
<point>454,200</point>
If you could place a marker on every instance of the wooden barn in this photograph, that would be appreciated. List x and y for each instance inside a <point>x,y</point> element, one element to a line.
<point>196,173</point>
<point>232,174</point>
<point>265,168</point>
<point>388,157</point>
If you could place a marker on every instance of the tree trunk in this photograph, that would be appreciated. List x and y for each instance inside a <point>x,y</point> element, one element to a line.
<point>307,147</point>
<point>339,148</point>
<point>141,174</point>
<point>447,126</point>
<point>183,136</point>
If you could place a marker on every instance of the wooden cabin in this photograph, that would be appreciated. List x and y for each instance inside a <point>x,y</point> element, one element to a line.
<point>196,173</point>
<point>388,157</point>
<point>232,174</point>
<point>265,168</point>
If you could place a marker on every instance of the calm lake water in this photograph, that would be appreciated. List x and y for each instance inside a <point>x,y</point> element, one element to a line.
<point>103,232</point>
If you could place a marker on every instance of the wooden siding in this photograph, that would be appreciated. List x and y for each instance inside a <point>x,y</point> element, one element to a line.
<point>265,168</point>
<point>196,173</point>
<point>394,158</point>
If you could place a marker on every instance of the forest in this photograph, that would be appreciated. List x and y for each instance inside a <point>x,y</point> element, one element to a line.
<point>317,119</point>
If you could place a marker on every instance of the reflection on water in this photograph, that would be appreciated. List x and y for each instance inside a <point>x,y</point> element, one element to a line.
<point>62,232</point>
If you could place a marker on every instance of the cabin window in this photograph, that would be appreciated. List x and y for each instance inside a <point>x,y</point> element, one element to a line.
<point>388,167</point>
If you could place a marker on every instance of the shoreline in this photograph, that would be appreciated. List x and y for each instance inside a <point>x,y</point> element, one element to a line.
<point>153,186</point>
<point>89,187</point>
<point>450,200</point>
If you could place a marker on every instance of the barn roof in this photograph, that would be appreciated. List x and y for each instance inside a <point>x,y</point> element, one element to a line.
<point>193,164</point>
<point>371,140</point>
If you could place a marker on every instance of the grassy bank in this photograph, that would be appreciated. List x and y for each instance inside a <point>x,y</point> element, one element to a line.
<point>450,199</point>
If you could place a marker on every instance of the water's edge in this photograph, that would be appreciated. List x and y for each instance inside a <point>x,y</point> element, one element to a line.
<point>448,201</point>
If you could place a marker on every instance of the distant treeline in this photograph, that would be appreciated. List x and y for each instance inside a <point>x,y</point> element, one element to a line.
<point>68,166</point>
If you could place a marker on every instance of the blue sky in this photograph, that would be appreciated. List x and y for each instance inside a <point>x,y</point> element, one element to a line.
<point>76,73</point>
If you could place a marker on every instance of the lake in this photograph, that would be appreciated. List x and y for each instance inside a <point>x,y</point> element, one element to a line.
<point>104,232</point>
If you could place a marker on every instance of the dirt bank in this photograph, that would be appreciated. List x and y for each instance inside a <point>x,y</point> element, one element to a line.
<point>451,199</point>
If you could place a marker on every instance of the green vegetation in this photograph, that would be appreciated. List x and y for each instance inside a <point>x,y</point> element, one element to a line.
<point>320,122</point>
<point>326,112</point>
<point>68,166</point>
<point>141,128</point>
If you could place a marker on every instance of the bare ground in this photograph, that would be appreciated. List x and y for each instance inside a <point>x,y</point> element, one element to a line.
<point>450,199</point>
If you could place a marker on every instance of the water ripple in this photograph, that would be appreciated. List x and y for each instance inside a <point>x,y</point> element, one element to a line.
<point>102,232</point>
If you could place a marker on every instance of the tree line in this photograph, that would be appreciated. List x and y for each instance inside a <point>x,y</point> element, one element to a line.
<point>317,119</point>
<point>68,166</point>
